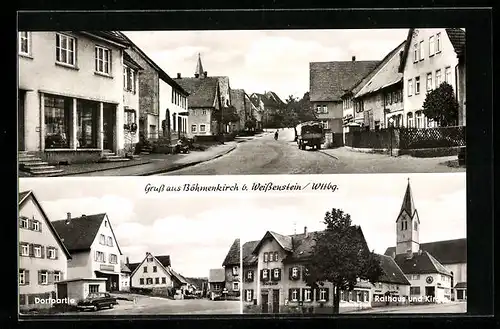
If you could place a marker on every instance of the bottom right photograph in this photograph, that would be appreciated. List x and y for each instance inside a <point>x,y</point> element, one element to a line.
<point>381,244</point>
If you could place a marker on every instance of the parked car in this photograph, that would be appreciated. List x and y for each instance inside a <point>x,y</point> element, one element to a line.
<point>96,301</point>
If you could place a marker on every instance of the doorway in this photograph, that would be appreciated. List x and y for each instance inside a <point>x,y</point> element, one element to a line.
<point>430,292</point>
<point>276,301</point>
<point>62,290</point>
<point>108,126</point>
<point>265,302</point>
<point>20,120</point>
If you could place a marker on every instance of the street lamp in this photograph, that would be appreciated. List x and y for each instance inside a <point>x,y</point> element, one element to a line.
<point>391,125</point>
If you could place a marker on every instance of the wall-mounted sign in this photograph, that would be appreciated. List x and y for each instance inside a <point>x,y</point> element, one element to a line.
<point>270,283</point>
<point>429,279</point>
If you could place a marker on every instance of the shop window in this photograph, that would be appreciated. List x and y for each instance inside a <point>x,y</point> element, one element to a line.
<point>57,121</point>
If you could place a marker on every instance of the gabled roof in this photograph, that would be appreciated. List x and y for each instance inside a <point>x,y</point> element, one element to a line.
<point>163,76</point>
<point>197,282</point>
<point>391,271</point>
<point>178,277</point>
<point>269,99</point>
<point>233,255</point>
<point>133,266</point>
<point>446,252</point>
<point>328,81</point>
<point>80,232</point>
<point>164,262</point>
<point>216,275</point>
<point>284,241</point>
<point>420,263</point>
<point>385,74</point>
<point>112,37</point>
<point>23,197</point>
<point>129,61</point>
<point>202,91</point>
<point>461,285</point>
<point>124,268</point>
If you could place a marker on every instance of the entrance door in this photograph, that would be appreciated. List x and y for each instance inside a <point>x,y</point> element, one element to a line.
<point>430,291</point>
<point>108,127</point>
<point>265,303</point>
<point>276,301</point>
<point>62,290</point>
<point>460,294</point>
<point>20,118</point>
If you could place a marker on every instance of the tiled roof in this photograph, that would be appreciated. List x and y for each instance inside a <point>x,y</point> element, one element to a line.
<point>130,61</point>
<point>80,232</point>
<point>178,276</point>
<point>328,81</point>
<point>133,266</point>
<point>202,91</point>
<point>216,275</point>
<point>197,282</point>
<point>461,285</point>
<point>420,263</point>
<point>23,196</point>
<point>164,260</point>
<point>233,255</point>
<point>386,74</point>
<point>457,39</point>
<point>238,100</point>
<point>114,36</point>
<point>270,99</point>
<point>391,271</point>
<point>446,252</point>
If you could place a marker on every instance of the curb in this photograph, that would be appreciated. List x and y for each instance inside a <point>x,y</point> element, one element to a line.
<point>96,170</point>
<point>185,165</point>
<point>328,154</point>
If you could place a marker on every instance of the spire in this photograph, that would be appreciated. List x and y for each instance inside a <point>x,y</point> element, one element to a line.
<point>408,203</point>
<point>199,68</point>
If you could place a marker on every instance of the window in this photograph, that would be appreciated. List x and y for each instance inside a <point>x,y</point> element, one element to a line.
<point>203,112</point>
<point>409,120</point>
<point>87,124</point>
<point>236,286</point>
<point>102,60</point>
<point>271,257</point>
<point>141,281</point>
<point>414,290</point>
<point>113,259</point>
<point>419,119</point>
<point>438,42</point>
<point>422,51</point>
<point>249,295</point>
<point>43,277</point>
<point>250,275</point>
<point>105,223</point>
<point>51,253</point>
<point>415,226</point>
<point>25,249</point>
<point>416,276</point>
<point>149,280</point>
<point>23,222</point>
<point>294,295</point>
<point>150,259</point>
<point>322,294</point>
<point>264,274</point>
<point>155,269</point>
<point>65,49</point>
<point>325,124</point>
<point>295,272</point>
<point>410,87</point>
<point>307,295</point>
<point>235,270</point>
<point>23,277</point>
<point>431,46</point>
<point>266,257</point>
<point>438,78</point>
<point>57,276</point>
<point>193,128</point>
<point>24,43</point>
<point>447,75</point>
<point>57,112</point>
<point>145,269</point>
<point>276,273</point>
<point>417,85</point>
<point>275,256</point>
<point>429,81</point>
<point>102,239</point>
<point>37,250</point>
<point>110,241</point>
<point>157,280</point>
<point>99,256</point>
<point>163,280</point>
<point>216,286</point>
<point>202,128</point>
<point>93,288</point>
<point>129,79</point>
<point>36,225</point>
<point>415,53</point>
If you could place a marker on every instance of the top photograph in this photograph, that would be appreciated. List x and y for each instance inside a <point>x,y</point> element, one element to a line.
<point>241,102</point>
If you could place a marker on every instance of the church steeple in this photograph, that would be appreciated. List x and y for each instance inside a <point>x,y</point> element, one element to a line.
<point>407,225</point>
<point>408,204</point>
<point>199,73</point>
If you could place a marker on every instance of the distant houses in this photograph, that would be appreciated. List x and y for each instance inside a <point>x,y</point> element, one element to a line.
<point>268,105</point>
<point>232,269</point>
<point>216,282</point>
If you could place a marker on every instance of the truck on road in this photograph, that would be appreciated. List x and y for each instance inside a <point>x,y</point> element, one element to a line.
<point>310,134</point>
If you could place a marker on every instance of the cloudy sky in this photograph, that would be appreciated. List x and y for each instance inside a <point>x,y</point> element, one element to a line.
<point>263,60</point>
<point>196,230</point>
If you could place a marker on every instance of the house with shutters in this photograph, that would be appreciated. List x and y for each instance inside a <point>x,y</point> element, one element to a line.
<point>232,269</point>
<point>435,269</point>
<point>274,269</point>
<point>95,251</point>
<point>124,277</point>
<point>431,57</point>
<point>216,282</point>
<point>43,258</point>
<point>270,103</point>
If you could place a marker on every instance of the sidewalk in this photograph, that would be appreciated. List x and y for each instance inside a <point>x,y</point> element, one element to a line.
<point>153,164</point>
<point>359,162</point>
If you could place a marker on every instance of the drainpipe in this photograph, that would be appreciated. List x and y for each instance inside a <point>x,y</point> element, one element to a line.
<point>460,108</point>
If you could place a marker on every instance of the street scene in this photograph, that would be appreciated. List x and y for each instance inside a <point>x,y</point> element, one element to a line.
<point>99,248</point>
<point>339,103</point>
<point>328,255</point>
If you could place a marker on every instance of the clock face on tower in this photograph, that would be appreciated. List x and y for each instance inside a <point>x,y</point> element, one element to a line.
<point>429,279</point>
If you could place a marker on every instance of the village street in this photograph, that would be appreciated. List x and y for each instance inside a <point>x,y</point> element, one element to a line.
<point>160,306</point>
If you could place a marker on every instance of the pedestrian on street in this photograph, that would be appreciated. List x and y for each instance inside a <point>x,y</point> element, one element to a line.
<point>276,135</point>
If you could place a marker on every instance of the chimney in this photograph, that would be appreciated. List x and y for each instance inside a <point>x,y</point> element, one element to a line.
<point>83,215</point>
<point>68,218</point>
<point>126,259</point>
<point>305,230</point>
<point>205,74</point>
<point>353,58</point>
<point>178,75</point>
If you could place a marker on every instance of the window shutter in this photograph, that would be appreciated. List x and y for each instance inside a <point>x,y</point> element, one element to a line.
<point>26,277</point>
<point>312,295</point>
<point>298,274</point>
<point>56,252</point>
<point>39,277</point>
<point>304,273</point>
<point>20,249</point>
<point>42,251</point>
<point>290,294</point>
<point>279,274</point>
<point>327,294</point>
<point>30,224</point>
<point>268,276</point>
<point>301,294</point>
<point>39,226</point>
<point>32,251</point>
<point>290,271</point>
<point>251,294</point>
<point>50,277</point>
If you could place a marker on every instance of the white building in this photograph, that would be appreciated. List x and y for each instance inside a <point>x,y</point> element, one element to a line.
<point>95,250</point>
<point>43,258</point>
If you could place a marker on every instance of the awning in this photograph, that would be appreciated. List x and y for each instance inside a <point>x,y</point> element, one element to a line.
<point>107,272</point>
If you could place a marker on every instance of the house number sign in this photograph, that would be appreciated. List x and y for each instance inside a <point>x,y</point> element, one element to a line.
<point>429,279</point>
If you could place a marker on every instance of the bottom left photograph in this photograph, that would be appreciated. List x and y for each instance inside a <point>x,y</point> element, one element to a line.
<point>87,248</point>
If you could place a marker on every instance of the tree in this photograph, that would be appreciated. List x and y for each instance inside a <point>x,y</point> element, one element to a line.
<point>341,256</point>
<point>441,105</point>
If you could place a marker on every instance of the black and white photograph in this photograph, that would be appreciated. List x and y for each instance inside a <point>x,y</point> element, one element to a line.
<point>97,247</point>
<point>382,244</point>
<point>241,102</point>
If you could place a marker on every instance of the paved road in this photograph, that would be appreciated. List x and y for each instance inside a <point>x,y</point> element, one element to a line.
<point>422,309</point>
<point>160,306</point>
<point>264,155</point>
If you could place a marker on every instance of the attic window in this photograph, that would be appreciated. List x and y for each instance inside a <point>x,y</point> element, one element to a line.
<point>106,223</point>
